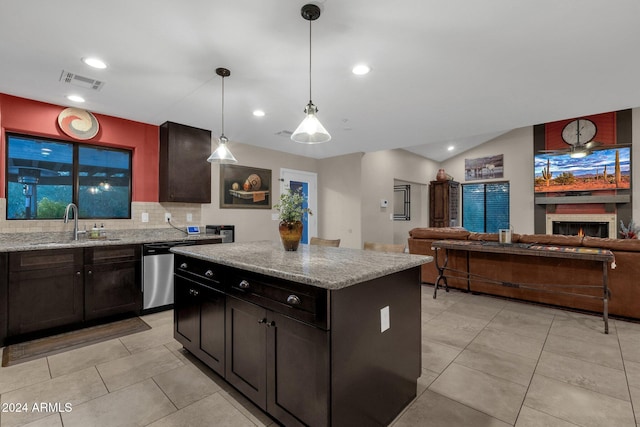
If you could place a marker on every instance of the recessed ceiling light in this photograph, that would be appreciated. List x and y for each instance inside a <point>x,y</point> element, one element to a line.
<point>361,70</point>
<point>450,148</point>
<point>258,113</point>
<point>94,62</point>
<point>75,98</point>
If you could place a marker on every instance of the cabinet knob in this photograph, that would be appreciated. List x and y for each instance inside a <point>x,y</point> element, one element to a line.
<point>293,300</point>
<point>183,265</point>
<point>272,323</point>
<point>89,272</point>
<point>244,285</point>
<point>263,320</point>
<point>196,293</point>
<point>209,273</point>
<point>78,273</point>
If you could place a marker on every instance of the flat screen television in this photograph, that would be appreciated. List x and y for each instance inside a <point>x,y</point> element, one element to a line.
<point>597,171</point>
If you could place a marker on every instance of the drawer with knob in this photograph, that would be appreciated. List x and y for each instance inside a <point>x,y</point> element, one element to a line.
<point>202,271</point>
<point>304,303</point>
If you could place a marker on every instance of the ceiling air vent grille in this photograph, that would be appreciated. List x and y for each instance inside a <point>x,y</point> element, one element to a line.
<point>80,81</point>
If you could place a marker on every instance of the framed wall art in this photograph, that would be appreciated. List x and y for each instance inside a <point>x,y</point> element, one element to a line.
<point>245,187</point>
<point>489,167</point>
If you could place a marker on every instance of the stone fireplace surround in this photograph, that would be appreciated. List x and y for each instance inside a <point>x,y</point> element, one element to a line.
<point>610,219</point>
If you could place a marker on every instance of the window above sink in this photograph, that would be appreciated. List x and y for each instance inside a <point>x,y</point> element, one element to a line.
<point>44,175</point>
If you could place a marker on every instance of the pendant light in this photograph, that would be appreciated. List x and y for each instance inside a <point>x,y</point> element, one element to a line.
<point>222,153</point>
<point>310,131</point>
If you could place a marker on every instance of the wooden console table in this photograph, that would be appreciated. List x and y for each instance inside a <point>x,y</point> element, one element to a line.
<point>525,249</point>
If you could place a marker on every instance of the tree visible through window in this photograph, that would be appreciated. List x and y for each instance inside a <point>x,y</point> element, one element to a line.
<point>43,176</point>
<point>485,207</point>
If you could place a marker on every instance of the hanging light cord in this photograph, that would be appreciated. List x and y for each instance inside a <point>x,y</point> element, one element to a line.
<point>222,135</point>
<point>310,62</point>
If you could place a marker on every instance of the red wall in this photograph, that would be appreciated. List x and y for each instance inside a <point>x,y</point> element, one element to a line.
<point>29,117</point>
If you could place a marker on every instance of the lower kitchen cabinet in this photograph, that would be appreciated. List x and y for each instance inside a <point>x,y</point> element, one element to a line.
<point>45,290</point>
<point>279,363</point>
<point>199,315</point>
<point>112,281</point>
<point>48,290</point>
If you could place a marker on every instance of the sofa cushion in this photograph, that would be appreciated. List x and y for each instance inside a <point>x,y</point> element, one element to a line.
<point>630,245</point>
<point>551,239</point>
<point>455,233</point>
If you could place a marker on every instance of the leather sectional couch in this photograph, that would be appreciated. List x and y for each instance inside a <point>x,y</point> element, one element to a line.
<point>575,276</point>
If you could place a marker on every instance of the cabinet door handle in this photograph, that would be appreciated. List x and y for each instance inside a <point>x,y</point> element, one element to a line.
<point>263,320</point>
<point>89,272</point>
<point>293,300</point>
<point>78,273</point>
<point>209,273</point>
<point>272,323</point>
<point>244,285</point>
<point>196,293</point>
<point>183,265</point>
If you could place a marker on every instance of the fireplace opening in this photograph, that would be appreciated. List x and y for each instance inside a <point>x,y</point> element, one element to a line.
<point>579,228</point>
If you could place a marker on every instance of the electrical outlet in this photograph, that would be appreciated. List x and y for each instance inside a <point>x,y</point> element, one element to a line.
<point>145,216</point>
<point>167,217</point>
<point>189,217</point>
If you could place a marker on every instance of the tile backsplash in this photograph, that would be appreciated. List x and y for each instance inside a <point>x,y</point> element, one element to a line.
<point>155,211</point>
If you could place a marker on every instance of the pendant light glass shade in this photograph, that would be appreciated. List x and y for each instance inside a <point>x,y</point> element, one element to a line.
<point>222,153</point>
<point>310,131</point>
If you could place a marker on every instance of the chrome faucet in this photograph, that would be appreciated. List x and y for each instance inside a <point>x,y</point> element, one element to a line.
<point>74,210</point>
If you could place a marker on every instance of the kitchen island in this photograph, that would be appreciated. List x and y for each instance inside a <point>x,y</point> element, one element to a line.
<point>321,336</point>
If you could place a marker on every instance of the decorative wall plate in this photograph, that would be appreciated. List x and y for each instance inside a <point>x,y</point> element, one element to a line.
<point>78,124</point>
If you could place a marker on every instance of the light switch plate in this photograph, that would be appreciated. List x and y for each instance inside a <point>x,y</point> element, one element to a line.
<point>167,216</point>
<point>145,217</point>
<point>385,322</point>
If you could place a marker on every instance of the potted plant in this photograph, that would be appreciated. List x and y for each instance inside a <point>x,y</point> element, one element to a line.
<point>290,212</point>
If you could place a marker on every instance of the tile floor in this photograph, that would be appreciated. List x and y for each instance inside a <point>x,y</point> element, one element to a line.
<point>486,362</point>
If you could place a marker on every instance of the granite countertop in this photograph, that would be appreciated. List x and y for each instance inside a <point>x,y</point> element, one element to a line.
<point>320,266</point>
<point>14,242</point>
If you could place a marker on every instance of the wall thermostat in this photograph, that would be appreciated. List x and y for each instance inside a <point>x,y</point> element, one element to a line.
<point>193,229</point>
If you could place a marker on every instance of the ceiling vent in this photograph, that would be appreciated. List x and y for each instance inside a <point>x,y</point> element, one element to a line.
<point>80,81</point>
<point>286,133</point>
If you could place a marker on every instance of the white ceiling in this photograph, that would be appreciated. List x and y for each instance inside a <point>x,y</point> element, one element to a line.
<point>444,72</point>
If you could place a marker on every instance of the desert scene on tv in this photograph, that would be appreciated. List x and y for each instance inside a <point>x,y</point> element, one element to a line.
<point>600,170</point>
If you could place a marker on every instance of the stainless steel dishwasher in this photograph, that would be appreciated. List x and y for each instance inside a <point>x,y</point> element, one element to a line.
<point>157,274</point>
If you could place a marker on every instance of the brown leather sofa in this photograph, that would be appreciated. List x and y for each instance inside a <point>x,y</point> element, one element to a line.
<point>480,271</point>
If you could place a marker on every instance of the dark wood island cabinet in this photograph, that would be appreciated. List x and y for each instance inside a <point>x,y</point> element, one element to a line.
<point>318,337</point>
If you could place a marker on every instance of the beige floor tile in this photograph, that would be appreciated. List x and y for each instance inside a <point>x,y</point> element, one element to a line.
<point>527,324</point>
<point>635,399</point>
<point>137,367</point>
<point>534,309</point>
<point>434,410</point>
<point>577,405</point>
<point>481,309</point>
<point>81,358</point>
<point>529,417</point>
<point>248,409</point>
<point>521,345</point>
<point>424,381</point>
<point>24,374</point>
<point>630,348</point>
<point>585,327</point>
<point>54,420</point>
<point>591,376</point>
<point>73,389</point>
<point>608,356</point>
<point>161,318</point>
<point>633,373</point>
<point>452,329</point>
<point>137,405</point>
<point>493,396</point>
<point>436,357</point>
<point>145,340</point>
<point>501,364</point>
<point>211,411</point>
<point>185,385</point>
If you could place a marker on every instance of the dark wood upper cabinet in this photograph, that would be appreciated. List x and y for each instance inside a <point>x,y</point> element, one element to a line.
<point>185,174</point>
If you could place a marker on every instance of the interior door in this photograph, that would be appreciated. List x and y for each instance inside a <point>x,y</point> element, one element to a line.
<point>308,183</point>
